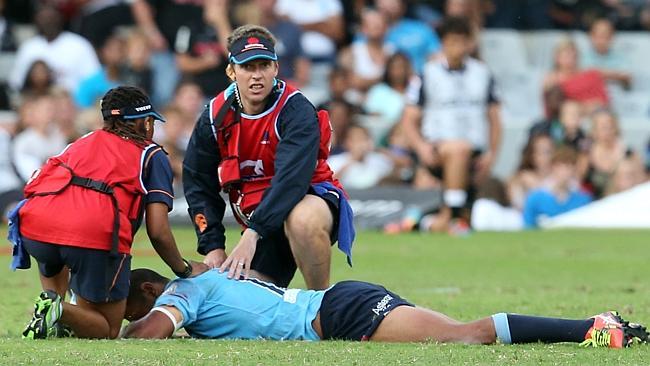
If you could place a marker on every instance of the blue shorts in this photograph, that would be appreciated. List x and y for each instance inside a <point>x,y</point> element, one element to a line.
<point>95,276</point>
<point>352,310</point>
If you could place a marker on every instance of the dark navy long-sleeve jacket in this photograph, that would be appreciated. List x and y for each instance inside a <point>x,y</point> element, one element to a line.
<point>295,162</point>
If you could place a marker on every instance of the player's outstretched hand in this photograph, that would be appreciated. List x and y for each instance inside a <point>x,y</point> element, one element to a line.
<point>198,268</point>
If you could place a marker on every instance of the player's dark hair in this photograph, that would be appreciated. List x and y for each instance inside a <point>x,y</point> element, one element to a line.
<point>120,97</point>
<point>140,276</point>
<point>455,25</point>
<point>250,30</point>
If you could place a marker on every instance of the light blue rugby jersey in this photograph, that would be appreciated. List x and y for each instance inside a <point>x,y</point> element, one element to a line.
<point>214,306</point>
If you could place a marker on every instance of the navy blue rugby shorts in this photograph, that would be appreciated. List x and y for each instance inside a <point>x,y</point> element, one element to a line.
<point>352,310</point>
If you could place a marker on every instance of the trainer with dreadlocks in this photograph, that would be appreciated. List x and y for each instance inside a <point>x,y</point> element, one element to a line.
<point>263,143</point>
<point>81,212</point>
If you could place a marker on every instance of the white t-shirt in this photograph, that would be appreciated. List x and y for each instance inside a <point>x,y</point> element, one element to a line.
<point>70,56</point>
<point>314,44</point>
<point>40,147</point>
<point>361,174</point>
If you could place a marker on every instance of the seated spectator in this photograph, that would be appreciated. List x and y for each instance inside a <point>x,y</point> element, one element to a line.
<point>341,116</point>
<point>470,10</point>
<point>569,132</point>
<point>561,194</point>
<point>174,140</point>
<point>136,70</point>
<point>413,37</point>
<point>606,152</point>
<point>584,86</point>
<point>7,41</point>
<point>533,171</point>
<point>293,62</point>
<point>38,81</point>
<point>600,55</point>
<point>91,89</point>
<point>41,138</point>
<point>366,58</point>
<point>189,98</point>
<point>359,166</point>
<point>65,114</point>
<point>550,124</point>
<point>321,22</point>
<point>70,56</point>
<point>628,173</point>
<point>340,89</point>
<point>12,173</point>
<point>387,98</point>
<point>200,48</point>
<point>492,210</point>
<point>398,151</point>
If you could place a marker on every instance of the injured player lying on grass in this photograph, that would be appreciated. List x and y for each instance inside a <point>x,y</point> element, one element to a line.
<point>214,306</point>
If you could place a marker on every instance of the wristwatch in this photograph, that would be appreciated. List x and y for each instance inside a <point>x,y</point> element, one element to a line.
<point>187,272</point>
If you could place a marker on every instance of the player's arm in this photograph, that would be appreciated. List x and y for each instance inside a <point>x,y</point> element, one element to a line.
<point>295,162</point>
<point>158,201</point>
<point>160,323</point>
<point>201,187</point>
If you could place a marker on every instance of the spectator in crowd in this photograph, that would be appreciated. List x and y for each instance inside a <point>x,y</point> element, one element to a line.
<point>41,138</point>
<point>397,150</point>
<point>136,70</point>
<point>70,56</point>
<point>533,171</point>
<point>628,173</point>
<point>96,20</point>
<point>386,99</point>
<point>359,166</point>
<point>161,21</point>
<point>492,211</point>
<point>521,14</point>
<point>189,98</point>
<point>322,23</point>
<point>200,48</point>
<point>470,10</point>
<point>7,41</point>
<point>292,59</point>
<point>460,130</point>
<point>567,129</point>
<point>585,86</point>
<point>91,89</point>
<point>366,57</point>
<point>413,37</point>
<point>12,166</point>
<point>606,152</point>
<point>550,124</point>
<point>339,88</point>
<point>560,195</point>
<point>174,140</point>
<point>39,80</point>
<point>341,118</point>
<point>65,114</point>
<point>602,57</point>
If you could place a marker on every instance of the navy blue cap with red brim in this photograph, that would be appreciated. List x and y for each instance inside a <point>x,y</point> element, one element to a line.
<point>252,48</point>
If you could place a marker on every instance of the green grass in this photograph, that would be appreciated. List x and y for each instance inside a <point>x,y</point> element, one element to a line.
<point>561,273</point>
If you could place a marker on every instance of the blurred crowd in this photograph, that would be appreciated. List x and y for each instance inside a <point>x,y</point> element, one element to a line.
<point>409,98</point>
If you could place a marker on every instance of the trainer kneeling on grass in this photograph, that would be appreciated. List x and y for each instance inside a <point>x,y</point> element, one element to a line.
<point>82,210</point>
<point>210,306</point>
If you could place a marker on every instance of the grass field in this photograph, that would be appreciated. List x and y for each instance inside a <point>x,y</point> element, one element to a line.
<point>561,273</point>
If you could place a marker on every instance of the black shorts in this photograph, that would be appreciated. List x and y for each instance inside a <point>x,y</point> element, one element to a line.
<point>273,256</point>
<point>95,276</point>
<point>352,310</point>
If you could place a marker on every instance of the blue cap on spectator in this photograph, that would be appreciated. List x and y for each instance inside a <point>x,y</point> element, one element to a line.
<point>250,48</point>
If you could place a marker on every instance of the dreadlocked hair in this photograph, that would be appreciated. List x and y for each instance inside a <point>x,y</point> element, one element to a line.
<point>120,97</point>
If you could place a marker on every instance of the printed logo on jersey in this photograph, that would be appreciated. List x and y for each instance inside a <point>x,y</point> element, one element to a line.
<point>251,169</point>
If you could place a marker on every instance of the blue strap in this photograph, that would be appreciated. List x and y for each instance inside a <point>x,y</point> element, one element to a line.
<point>20,257</point>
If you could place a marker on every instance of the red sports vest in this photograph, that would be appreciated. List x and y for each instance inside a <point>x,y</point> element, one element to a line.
<point>78,216</point>
<point>248,149</point>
